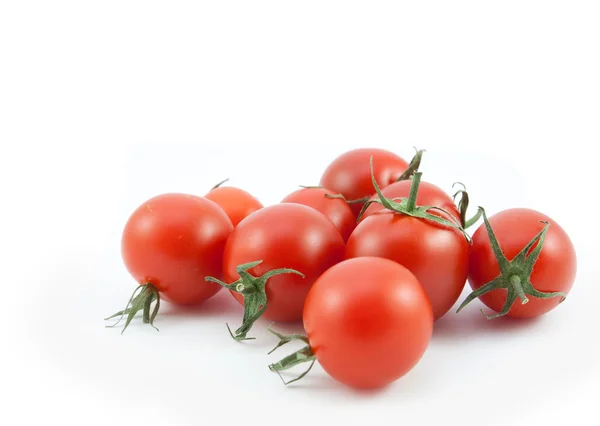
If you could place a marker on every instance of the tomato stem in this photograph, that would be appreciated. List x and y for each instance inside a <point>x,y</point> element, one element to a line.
<point>141,299</point>
<point>219,184</point>
<point>515,274</point>
<point>413,166</point>
<point>255,296</point>
<point>515,280</point>
<point>411,203</point>
<point>304,354</point>
<point>463,206</point>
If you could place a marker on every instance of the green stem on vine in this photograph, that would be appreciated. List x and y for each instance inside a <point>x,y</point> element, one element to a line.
<point>255,296</point>
<point>411,203</point>
<point>219,184</point>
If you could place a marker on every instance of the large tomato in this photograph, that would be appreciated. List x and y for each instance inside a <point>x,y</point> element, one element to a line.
<point>540,276</point>
<point>350,174</point>
<point>368,322</point>
<point>335,209</point>
<point>428,195</point>
<point>288,235</point>
<point>170,244</point>
<point>436,254</point>
<point>236,202</point>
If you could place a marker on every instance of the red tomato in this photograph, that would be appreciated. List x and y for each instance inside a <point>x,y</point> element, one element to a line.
<point>350,173</point>
<point>437,254</point>
<point>236,202</point>
<point>368,322</point>
<point>554,270</point>
<point>284,236</point>
<point>428,195</point>
<point>173,241</point>
<point>335,209</point>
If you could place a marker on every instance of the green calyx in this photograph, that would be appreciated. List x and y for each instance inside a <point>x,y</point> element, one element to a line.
<point>141,299</point>
<point>408,206</point>
<point>514,274</point>
<point>463,205</point>
<point>253,290</point>
<point>305,354</point>
<point>413,166</point>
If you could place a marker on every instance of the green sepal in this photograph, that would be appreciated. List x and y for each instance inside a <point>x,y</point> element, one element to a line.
<point>515,275</point>
<point>302,355</point>
<point>141,299</point>
<point>253,290</point>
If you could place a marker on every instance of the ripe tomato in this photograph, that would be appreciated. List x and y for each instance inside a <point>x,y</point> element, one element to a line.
<point>368,322</point>
<point>169,244</point>
<point>335,209</point>
<point>349,174</point>
<point>288,235</point>
<point>236,202</point>
<point>428,195</point>
<point>518,230</point>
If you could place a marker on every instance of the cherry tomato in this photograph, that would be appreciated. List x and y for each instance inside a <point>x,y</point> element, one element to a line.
<point>553,271</point>
<point>335,209</point>
<point>285,235</point>
<point>173,241</point>
<point>350,174</point>
<point>436,254</point>
<point>368,322</point>
<point>428,195</point>
<point>236,202</point>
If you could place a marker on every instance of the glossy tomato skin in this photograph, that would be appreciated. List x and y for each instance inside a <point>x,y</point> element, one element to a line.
<point>285,235</point>
<point>368,321</point>
<point>335,209</point>
<point>350,173</point>
<point>236,202</point>
<point>173,241</point>
<point>554,270</point>
<point>436,254</point>
<point>428,195</point>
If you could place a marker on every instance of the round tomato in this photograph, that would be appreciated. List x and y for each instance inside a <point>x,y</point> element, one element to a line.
<point>290,236</point>
<point>236,202</point>
<point>368,322</point>
<point>541,277</point>
<point>335,209</point>
<point>350,173</point>
<point>428,195</point>
<point>436,254</point>
<point>169,245</point>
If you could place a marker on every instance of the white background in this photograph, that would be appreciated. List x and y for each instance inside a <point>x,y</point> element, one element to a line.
<point>103,104</point>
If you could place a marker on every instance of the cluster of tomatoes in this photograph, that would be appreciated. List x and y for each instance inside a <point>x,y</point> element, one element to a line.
<point>368,261</point>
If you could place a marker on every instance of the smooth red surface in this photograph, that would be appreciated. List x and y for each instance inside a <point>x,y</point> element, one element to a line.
<point>436,254</point>
<point>428,195</point>
<point>236,202</point>
<point>368,321</point>
<point>174,241</point>
<point>285,235</point>
<point>335,209</point>
<point>350,173</point>
<point>554,270</point>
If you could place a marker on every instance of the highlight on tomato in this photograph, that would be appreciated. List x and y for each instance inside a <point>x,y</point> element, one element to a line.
<point>350,175</point>
<point>273,257</point>
<point>335,209</point>
<point>169,244</point>
<point>521,264</point>
<point>427,240</point>
<point>368,322</point>
<point>235,202</point>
